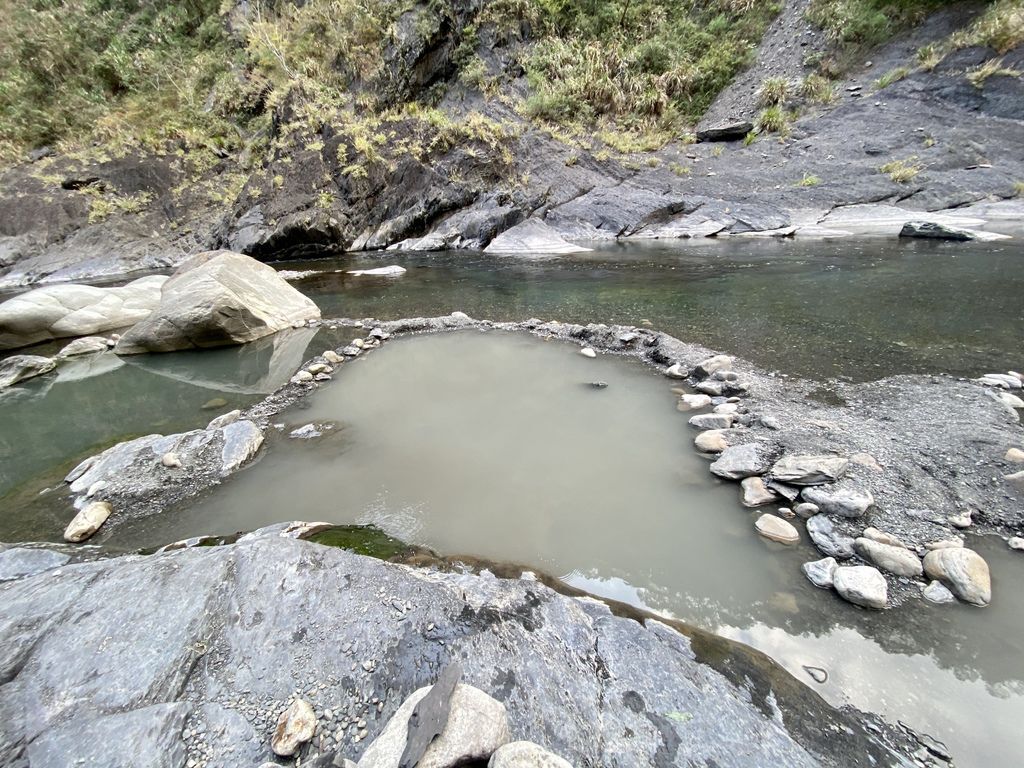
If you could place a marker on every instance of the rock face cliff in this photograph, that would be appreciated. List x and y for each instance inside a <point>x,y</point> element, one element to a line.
<point>193,654</point>
<point>474,163</point>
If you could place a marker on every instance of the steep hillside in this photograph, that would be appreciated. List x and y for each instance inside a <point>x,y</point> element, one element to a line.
<point>278,128</point>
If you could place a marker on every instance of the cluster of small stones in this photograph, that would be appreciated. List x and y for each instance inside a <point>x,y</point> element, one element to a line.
<point>321,368</point>
<point>793,481</point>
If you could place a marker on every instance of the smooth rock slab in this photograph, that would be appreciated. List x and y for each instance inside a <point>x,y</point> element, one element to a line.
<point>827,539</point>
<point>295,726</point>
<point>861,585</point>
<point>846,502</point>
<point>739,461</point>
<point>963,571</point>
<point>88,521</point>
<point>477,726</point>
<point>274,615</point>
<point>897,560</point>
<point>809,470</point>
<point>777,529</point>
<point>755,494</point>
<point>532,236</point>
<point>25,561</point>
<point>21,367</point>
<point>820,572</point>
<point>525,754</point>
<point>390,271</point>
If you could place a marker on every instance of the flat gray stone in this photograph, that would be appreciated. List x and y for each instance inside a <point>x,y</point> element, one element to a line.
<point>808,469</point>
<point>18,368</point>
<point>827,539</point>
<point>26,561</point>
<point>846,502</point>
<point>712,420</point>
<point>739,461</point>
<point>820,572</point>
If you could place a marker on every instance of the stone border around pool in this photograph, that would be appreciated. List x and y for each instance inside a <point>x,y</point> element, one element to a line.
<point>888,472</point>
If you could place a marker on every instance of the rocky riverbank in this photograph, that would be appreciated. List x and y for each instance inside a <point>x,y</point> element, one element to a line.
<point>190,657</point>
<point>931,144</point>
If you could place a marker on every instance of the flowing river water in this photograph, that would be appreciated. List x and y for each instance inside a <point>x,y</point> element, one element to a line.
<point>496,445</point>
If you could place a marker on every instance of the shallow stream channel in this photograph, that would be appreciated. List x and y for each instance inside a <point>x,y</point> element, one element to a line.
<point>506,447</point>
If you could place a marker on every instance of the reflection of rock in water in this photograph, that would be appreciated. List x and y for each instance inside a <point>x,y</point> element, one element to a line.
<point>259,367</point>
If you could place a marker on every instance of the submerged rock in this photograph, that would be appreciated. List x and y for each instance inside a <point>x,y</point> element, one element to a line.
<point>777,529</point>
<point>21,367</point>
<point>809,470</point>
<point>88,521</point>
<point>963,571</point>
<point>588,352</point>
<point>62,311</point>
<point>861,585</point>
<point>477,726</point>
<point>215,299</point>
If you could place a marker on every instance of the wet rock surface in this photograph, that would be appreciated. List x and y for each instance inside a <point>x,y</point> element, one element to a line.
<point>239,630</point>
<point>17,368</point>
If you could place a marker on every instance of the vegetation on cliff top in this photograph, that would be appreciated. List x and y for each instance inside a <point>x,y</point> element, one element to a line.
<point>143,74</point>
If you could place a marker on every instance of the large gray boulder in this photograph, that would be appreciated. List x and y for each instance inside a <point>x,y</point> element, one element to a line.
<point>963,571</point>
<point>809,470</point>
<point>63,311</point>
<point>114,654</point>
<point>532,236</point>
<point>217,299</point>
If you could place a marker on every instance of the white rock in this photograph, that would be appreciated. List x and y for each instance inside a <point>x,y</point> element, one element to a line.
<point>806,509</point>
<point>861,585</point>
<point>820,572</point>
<point>882,537</point>
<point>170,460</point>
<point>302,377</point>
<point>224,419</point>
<point>61,311</point>
<point>332,357</point>
<point>525,754</point>
<point>964,571</point>
<point>588,352</point>
<point>1014,455</point>
<point>532,236</point>
<point>1016,542</point>
<point>477,726</point>
<point>295,726</point>
<point>88,521</point>
<point>777,529</point>
<point>21,367</point>
<point>391,271</point>
<point>755,494</point>
<point>456,315</point>
<point>87,345</point>
<point>726,408</point>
